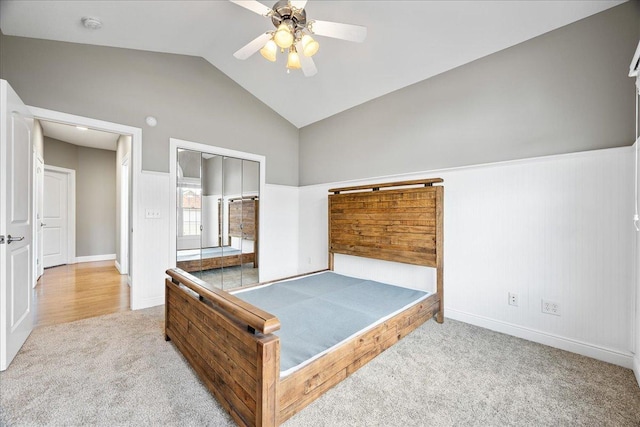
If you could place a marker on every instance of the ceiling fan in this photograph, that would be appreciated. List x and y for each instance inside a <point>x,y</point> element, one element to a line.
<point>293,34</point>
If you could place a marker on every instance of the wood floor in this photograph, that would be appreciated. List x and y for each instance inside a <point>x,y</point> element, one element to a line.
<point>78,291</point>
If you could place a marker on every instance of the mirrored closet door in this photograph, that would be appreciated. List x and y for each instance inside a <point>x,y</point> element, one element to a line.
<point>217,211</point>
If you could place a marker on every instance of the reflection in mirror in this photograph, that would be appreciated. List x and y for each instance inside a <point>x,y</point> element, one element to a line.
<point>232,223</point>
<point>188,211</point>
<point>212,219</point>
<point>250,220</point>
<point>217,214</point>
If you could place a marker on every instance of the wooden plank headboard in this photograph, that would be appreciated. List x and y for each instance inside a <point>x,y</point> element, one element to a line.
<point>243,218</point>
<point>398,221</point>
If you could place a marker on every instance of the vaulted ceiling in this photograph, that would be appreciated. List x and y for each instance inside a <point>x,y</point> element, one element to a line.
<point>407,41</point>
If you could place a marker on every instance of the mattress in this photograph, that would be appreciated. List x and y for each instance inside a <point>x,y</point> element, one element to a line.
<point>196,254</point>
<point>319,312</point>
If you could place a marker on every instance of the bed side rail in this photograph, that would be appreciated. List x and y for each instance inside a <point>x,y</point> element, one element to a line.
<point>259,320</point>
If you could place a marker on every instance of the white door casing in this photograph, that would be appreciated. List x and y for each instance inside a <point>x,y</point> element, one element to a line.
<point>38,221</point>
<point>145,283</point>
<point>58,211</point>
<point>16,220</point>
<point>124,216</point>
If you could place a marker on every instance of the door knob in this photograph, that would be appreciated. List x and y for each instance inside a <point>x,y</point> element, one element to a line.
<point>13,239</point>
<point>42,224</point>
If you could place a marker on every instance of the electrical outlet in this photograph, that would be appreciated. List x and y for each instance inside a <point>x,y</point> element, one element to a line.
<point>513,299</point>
<point>550,307</point>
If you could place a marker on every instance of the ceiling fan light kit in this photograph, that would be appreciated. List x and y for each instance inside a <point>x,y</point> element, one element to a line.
<point>269,51</point>
<point>283,36</point>
<point>309,45</point>
<point>293,60</point>
<point>293,32</point>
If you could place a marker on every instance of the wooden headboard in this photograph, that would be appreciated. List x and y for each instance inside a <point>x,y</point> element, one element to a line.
<point>243,218</point>
<point>398,221</point>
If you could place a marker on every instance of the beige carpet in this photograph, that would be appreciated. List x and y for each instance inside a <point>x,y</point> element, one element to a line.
<point>117,370</point>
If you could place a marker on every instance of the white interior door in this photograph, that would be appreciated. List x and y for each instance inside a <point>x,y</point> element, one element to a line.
<point>55,218</point>
<point>16,224</point>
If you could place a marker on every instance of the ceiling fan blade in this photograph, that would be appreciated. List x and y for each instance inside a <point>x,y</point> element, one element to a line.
<point>299,4</point>
<point>353,33</point>
<point>253,46</point>
<point>254,6</point>
<point>306,62</point>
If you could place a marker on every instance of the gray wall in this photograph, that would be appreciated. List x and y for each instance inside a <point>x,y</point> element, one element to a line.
<point>61,154</point>
<point>95,194</point>
<point>2,37</point>
<point>191,99</point>
<point>240,176</point>
<point>564,91</point>
<point>190,163</point>
<point>212,176</point>
<point>232,170</point>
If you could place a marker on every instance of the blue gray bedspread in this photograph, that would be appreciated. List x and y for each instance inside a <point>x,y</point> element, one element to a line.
<point>320,311</point>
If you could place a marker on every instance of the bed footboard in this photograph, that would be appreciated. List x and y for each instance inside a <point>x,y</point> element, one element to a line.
<point>229,344</point>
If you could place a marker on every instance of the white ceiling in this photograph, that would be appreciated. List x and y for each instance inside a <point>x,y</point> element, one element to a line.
<point>407,41</point>
<point>86,138</point>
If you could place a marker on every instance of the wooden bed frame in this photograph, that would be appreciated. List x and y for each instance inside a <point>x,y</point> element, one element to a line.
<point>216,262</point>
<point>244,223</point>
<point>231,345</point>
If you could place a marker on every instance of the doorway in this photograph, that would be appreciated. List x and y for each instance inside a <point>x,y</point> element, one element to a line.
<point>79,222</point>
<point>127,205</point>
<point>78,291</point>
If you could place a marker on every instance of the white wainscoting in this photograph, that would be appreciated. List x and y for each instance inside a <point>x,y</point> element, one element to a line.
<point>408,276</point>
<point>278,232</point>
<point>313,228</point>
<point>151,240</point>
<point>555,228</point>
<point>188,242</point>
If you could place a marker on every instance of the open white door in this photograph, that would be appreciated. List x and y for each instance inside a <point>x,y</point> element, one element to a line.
<point>16,228</point>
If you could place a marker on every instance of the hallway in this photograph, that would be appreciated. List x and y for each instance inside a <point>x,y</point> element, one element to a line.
<point>78,291</point>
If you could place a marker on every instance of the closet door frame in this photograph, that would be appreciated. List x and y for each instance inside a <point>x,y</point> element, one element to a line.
<point>174,145</point>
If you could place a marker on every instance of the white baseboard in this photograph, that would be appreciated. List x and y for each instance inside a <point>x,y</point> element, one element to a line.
<point>149,302</point>
<point>636,368</point>
<point>620,358</point>
<point>92,258</point>
<point>120,269</point>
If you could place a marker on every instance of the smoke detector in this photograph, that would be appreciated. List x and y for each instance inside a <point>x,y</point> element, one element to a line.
<point>91,23</point>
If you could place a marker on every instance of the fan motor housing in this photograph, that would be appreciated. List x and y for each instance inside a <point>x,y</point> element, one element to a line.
<point>284,12</point>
